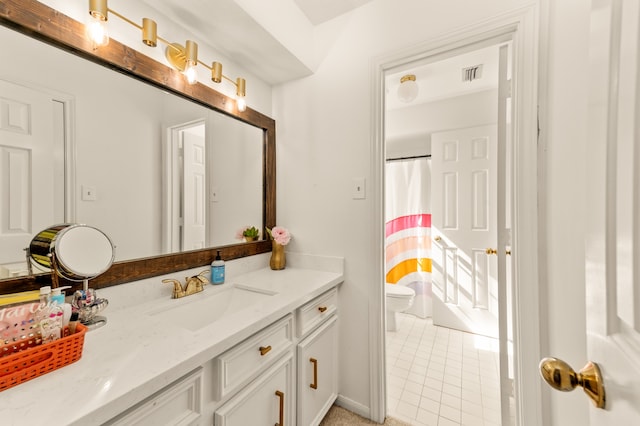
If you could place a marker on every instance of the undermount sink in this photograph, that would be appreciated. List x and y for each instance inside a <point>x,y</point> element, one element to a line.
<point>201,309</point>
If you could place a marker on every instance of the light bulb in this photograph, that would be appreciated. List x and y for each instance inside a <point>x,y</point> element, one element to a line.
<point>191,53</point>
<point>97,31</point>
<point>408,89</point>
<point>241,103</point>
<point>191,73</point>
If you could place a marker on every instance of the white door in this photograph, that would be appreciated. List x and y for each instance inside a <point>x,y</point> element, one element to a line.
<point>194,188</point>
<point>28,165</point>
<point>613,233</point>
<point>464,214</point>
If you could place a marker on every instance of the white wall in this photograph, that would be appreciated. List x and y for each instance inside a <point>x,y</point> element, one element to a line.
<point>325,140</point>
<point>236,149</point>
<point>474,109</point>
<point>408,130</point>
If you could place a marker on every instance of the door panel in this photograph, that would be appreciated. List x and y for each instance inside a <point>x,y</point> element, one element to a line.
<point>194,188</point>
<point>27,168</point>
<point>613,227</point>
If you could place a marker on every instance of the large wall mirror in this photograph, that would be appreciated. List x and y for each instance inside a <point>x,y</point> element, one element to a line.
<point>169,171</point>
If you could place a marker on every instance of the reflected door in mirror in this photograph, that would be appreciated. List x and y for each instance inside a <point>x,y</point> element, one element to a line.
<point>31,171</point>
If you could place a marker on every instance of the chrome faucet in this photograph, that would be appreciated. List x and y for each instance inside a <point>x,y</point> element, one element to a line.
<point>194,284</point>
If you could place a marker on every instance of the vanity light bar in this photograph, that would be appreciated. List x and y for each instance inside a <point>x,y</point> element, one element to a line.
<point>182,58</point>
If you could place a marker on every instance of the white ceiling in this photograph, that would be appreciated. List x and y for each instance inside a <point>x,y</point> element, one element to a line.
<point>240,29</point>
<point>319,11</point>
<point>228,28</point>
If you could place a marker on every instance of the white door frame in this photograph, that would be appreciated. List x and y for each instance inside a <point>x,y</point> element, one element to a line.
<point>520,26</point>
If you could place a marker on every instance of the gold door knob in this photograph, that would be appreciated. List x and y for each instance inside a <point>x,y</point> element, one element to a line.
<point>491,251</point>
<point>437,238</point>
<point>562,377</point>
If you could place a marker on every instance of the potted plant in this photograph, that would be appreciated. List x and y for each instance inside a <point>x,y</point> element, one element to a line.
<point>248,233</point>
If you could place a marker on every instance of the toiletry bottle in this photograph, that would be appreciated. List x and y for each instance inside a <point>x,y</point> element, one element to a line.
<point>217,270</point>
<point>57,297</point>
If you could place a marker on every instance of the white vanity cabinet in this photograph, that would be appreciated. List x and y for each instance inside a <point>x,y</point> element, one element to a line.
<point>278,377</point>
<point>249,364</point>
<point>317,357</point>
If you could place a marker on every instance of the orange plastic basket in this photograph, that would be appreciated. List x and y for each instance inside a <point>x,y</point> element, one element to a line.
<point>33,362</point>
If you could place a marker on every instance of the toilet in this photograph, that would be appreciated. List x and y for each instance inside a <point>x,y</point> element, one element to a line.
<point>399,298</point>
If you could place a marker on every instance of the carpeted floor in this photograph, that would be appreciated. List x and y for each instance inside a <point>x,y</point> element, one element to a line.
<point>338,416</point>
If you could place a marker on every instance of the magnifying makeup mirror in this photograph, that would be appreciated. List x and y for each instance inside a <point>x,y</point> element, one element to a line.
<point>76,252</point>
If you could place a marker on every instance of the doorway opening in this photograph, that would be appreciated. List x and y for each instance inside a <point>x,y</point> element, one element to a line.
<point>185,213</point>
<point>447,179</point>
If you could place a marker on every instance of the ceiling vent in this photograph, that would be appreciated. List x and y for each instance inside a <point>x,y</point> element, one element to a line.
<point>472,73</point>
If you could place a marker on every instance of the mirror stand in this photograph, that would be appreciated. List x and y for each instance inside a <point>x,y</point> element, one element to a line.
<point>75,252</point>
<point>88,309</point>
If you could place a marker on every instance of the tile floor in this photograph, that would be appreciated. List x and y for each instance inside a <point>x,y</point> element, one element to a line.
<point>441,377</point>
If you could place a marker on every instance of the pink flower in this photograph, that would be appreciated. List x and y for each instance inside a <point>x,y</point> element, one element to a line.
<point>280,235</point>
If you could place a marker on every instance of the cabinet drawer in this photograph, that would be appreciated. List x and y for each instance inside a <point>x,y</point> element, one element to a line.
<point>316,311</point>
<point>240,364</point>
<point>178,404</point>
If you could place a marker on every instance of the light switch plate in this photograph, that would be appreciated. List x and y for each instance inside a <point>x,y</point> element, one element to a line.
<point>358,189</point>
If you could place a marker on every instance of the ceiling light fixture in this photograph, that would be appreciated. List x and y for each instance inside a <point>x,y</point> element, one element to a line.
<point>408,89</point>
<point>183,58</point>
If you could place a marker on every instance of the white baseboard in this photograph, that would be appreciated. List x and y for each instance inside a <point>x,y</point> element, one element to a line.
<point>353,406</point>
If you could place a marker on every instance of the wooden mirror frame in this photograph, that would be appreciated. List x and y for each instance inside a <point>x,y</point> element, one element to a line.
<point>43,23</point>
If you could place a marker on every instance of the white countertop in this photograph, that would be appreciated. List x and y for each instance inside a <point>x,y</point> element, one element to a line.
<point>138,352</point>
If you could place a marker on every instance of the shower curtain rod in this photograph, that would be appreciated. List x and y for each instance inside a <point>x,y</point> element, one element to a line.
<point>415,157</point>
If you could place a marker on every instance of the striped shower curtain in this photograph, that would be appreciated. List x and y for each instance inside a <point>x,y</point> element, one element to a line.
<point>408,229</point>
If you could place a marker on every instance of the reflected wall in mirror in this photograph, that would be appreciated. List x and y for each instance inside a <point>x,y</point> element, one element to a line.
<point>122,129</point>
<point>115,145</point>
<point>227,155</point>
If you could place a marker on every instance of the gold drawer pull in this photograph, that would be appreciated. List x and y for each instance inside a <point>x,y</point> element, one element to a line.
<point>264,350</point>
<point>322,308</point>
<point>314,385</point>
<point>280,395</point>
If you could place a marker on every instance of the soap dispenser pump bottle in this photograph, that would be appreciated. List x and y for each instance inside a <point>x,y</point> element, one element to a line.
<point>217,270</point>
